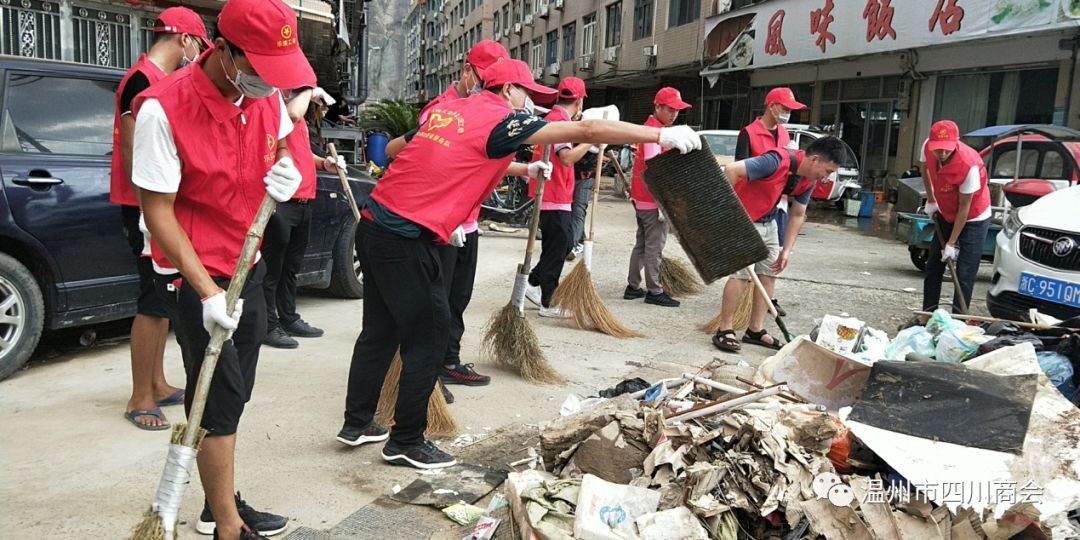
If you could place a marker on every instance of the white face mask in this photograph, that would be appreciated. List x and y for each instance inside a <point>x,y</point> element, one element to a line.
<point>784,117</point>
<point>528,107</point>
<point>184,60</point>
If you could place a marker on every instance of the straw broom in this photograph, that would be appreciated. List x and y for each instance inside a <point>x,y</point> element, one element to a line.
<point>741,319</point>
<point>678,280</point>
<point>159,522</point>
<point>509,341</point>
<point>440,421</point>
<point>576,293</point>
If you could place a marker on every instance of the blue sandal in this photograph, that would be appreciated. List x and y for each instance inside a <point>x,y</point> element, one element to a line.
<point>132,415</point>
<point>176,399</point>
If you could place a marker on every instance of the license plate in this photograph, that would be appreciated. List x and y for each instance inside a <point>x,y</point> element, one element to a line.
<point>1054,290</point>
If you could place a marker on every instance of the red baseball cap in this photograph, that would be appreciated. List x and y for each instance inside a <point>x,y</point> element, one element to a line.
<point>944,135</point>
<point>513,72</point>
<point>784,96</point>
<point>672,98</point>
<point>181,20</point>
<point>484,54</point>
<point>266,31</point>
<point>572,88</point>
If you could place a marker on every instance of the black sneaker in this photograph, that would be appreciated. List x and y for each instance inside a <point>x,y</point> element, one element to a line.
<point>449,397</point>
<point>779,310</point>
<point>661,299</point>
<point>422,456</point>
<point>245,534</point>
<point>354,436</point>
<point>633,294</point>
<point>262,523</point>
<point>463,374</point>
<point>278,339</point>
<point>300,328</point>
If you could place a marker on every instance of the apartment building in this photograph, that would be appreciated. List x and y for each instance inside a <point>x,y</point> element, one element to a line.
<point>625,50</point>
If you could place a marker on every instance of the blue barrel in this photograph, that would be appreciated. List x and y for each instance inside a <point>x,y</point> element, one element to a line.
<point>376,149</point>
<point>867,209</point>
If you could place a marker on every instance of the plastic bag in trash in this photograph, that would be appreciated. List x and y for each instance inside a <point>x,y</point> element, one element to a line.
<point>1009,340</point>
<point>1059,370</point>
<point>941,321</point>
<point>959,343</point>
<point>913,339</point>
<point>839,334</point>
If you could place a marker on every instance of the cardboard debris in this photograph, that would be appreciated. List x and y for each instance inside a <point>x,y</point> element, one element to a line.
<point>675,523</point>
<point>610,455</point>
<point>815,374</point>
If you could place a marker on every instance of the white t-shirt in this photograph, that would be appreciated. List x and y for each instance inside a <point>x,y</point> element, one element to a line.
<point>972,183</point>
<point>155,163</point>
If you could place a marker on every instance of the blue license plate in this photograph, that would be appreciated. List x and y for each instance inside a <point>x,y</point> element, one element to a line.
<point>1054,290</point>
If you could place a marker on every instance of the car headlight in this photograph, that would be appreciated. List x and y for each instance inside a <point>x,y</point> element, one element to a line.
<point>1012,223</point>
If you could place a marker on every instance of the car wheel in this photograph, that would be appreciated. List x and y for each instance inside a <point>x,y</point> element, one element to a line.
<point>22,315</point>
<point>346,279</point>
<point>919,257</point>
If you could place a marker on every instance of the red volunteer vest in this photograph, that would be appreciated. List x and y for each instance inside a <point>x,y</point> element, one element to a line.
<point>120,191</point>
<point>761,139</point>
<point>758,197</point>
<point>449,94</point>
<point>300,147</point>
<point>946,181</point>
<point>560,189</point>
<point>440,178</point>
<point>225,151</point>
<point>639,192</point>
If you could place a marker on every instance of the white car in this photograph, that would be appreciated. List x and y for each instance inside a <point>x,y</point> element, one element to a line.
<point>722,143</point>
<point>1037,259</point>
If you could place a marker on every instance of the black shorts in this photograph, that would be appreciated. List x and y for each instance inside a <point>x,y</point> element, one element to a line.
<point>150,302</point>
<point>234,377</point>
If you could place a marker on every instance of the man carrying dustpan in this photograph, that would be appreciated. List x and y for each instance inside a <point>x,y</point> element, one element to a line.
<point>209,145</point>
<point>447,168</point>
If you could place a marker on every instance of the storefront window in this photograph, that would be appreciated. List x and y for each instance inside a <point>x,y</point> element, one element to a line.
<point>976,100</point>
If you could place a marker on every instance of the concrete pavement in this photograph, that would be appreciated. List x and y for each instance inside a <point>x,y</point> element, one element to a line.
<point>74,468</point>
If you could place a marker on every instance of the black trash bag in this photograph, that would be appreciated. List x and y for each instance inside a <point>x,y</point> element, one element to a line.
<point>1010,340</point>
<point>629,386</point>
<point>1070,347</point>
<point>1002,329</point>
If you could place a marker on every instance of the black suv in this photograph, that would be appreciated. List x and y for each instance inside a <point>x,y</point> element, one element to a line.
<point>64,259</point>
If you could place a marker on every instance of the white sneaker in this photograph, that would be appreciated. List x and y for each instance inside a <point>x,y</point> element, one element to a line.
<point>554,312</point>
<point>533,295</point>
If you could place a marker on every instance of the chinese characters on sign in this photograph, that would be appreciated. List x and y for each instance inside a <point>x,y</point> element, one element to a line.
<point>949,15</point>
<point>879,16</point>
<point>820,19</point>
<point>1004,492</point>
<point>774,45</point>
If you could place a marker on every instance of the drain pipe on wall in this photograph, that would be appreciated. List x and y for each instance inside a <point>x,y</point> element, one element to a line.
<point>359,85</point>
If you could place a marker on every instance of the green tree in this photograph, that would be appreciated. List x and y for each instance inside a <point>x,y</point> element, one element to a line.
<point>394,117</point>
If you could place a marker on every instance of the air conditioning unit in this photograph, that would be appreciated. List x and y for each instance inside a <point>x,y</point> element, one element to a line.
<point>543,13</point>
<point>517,28</point>
<point>461,23</point>
<point>553,69</point>
<point>649,51</point>
<point>611,55</point>
<point>558,4</point>
<point>537,73</point>
<point>506,32</point>
<point>586,63</point>
<point>460,57</point>
<point>528,19</point>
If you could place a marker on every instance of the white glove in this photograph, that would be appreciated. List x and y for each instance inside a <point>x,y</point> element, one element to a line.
<point>283,180</point>
<point>457,238</point>
<point>537,168</point>
<point>684,138</point>
<point>145,235</point>
<point>320,96</point>
<point>213,314</point>
<point>334,166</point>
<point>950,252</point>
<point>930,208</point>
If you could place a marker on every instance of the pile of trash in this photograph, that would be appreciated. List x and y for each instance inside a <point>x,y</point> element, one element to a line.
<point>947,436</point>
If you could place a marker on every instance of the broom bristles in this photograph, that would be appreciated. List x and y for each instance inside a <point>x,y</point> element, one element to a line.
<point>440,421</point>
<point>577,296</point>
<point>511,343</point>
<point>149,528</point>
<point>677,279</point>
<point>740,320</point>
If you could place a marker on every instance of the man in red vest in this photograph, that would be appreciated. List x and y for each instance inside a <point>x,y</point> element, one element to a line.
<point>958,199</point>
<point>759,183</point>
<point>652,229</point>
<point>179,36</point>
<point>209,146</point>
<point>555,217</point>
<point>286,237</point>
<point>449,166</point>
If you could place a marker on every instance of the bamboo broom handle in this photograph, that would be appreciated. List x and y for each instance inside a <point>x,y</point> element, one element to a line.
<point>596,187</point>
<point>534,223</point>
<point>345,184</point>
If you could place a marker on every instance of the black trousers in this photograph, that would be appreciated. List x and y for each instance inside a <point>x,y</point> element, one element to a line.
<point>404,307</point>
<point>459,273</point>
<point>970,244</point>
<point>283,247</point>
<point>555,225</point>
<point>234,377</point>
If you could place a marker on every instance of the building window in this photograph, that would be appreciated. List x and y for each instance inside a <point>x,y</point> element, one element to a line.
<point>553,47</point>
<point>613,33</point>
<point>537,53</point>
<point>643,19</point>
<point>496,22</point>
<point>588,34</point>
<point>683,12</point>
<point>506,16</point>
<point>517,12</point>
<point>569,37</point>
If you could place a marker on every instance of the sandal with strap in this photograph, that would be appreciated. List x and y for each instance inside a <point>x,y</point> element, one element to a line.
<point>758,338</point>
<point>725,341</point>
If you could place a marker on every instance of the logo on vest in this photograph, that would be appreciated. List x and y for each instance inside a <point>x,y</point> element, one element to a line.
<point>441,119</point>
<point>271,144</point>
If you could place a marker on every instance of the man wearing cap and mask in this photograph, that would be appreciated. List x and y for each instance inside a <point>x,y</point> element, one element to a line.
<point>449,166</point>
<point>556,225</point>
<point>209,146</point>
<point>179,37</point>
<point>652,229</point>
<point>958,199</point>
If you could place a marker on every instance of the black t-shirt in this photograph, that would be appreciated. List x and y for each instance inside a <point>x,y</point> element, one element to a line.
<point>742,144</point>
<point>507,136</point>
<point>133,87</point>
